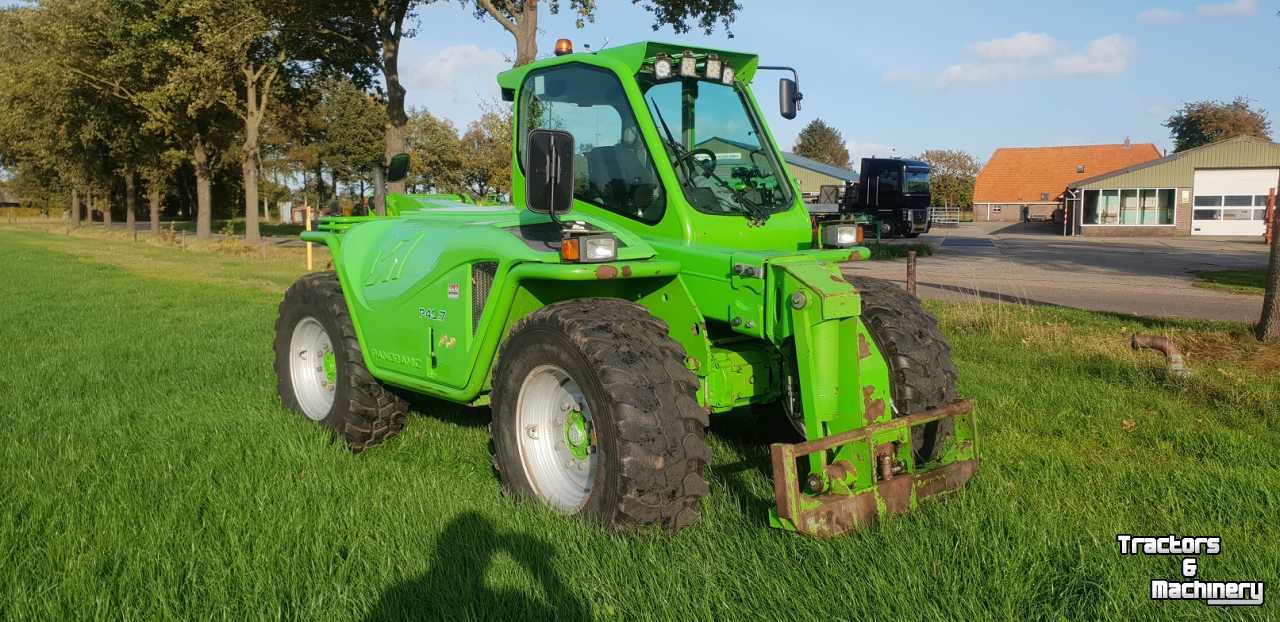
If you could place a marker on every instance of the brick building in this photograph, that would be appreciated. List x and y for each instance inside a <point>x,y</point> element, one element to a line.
<point>1028,183</point>
<point>1219,189</point>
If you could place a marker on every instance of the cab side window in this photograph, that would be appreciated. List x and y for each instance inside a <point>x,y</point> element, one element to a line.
<point>612,168</point>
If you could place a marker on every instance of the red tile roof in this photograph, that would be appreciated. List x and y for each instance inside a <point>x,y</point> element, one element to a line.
<point>1022,174</point>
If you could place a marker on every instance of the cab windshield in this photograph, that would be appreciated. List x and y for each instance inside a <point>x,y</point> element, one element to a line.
<point>716,146</point>
<point>917,181</point>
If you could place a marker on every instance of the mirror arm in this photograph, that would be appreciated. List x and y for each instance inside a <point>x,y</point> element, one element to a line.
<point>795,77</point>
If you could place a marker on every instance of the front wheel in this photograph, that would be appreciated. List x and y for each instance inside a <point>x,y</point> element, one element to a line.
<point>594,413</point>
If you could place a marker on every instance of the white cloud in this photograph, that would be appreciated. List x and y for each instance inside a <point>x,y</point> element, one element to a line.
<point>1159,16</point>
<point>1238,8</point>
<point>1107,55</point>
<point>967,74</point>
<point>1103,56</point>
<point>464,73</point>
<point>1022,46</point>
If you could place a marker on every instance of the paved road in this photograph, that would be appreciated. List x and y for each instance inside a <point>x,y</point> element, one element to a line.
<point>1027,263</point>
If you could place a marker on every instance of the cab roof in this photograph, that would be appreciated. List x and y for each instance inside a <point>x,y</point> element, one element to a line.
<point>634,56</point>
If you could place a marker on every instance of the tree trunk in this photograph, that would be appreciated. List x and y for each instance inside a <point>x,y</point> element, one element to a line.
<point>130,203</point>
<point>1269,324</point>
<point>106,209</point>
<point>396,117</point>
<point>257,96</point>
<point>75,207</point>
<point>250,170</point>
<point>527,34</point>
<point>204,191</point>
<point>153,199</point>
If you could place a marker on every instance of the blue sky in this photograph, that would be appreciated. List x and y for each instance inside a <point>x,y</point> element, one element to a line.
<point>901,77</point>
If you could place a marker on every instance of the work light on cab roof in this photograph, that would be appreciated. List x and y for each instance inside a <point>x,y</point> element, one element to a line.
<point>657,267</point>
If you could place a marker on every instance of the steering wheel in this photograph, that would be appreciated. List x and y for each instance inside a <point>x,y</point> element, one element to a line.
<point>708,165</point>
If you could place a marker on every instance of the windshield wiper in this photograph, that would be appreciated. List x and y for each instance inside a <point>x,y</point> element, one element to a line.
<point>756,212</point>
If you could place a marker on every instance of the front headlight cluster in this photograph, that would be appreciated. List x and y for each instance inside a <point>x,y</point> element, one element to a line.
<point>589,248</point>
<point>712,68</point>
<point>841,235</point>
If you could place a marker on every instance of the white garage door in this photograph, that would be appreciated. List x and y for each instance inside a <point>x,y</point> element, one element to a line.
<point>1231,202</point>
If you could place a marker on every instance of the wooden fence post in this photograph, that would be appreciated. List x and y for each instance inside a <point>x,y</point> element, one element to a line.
<point>308,221</point>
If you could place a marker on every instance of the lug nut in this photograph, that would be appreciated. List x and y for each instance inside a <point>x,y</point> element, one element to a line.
<point>814,483</point>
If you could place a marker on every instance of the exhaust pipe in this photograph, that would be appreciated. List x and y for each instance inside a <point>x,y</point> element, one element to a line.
<point>1166,346</point>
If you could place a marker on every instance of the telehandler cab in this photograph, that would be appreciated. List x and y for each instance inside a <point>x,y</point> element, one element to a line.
<point>664,270</point>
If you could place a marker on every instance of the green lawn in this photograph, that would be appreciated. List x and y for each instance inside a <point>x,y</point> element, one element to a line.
<point>149,471</point>
<point>1235,281</point>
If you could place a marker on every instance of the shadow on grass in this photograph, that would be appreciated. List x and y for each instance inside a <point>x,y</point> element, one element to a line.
<point>1235,281</point>
<point>749,432</point>
<point>457,414</point>
<point>454,588</point>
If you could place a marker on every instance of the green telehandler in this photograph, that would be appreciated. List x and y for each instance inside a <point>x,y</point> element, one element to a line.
<point>657,267</point>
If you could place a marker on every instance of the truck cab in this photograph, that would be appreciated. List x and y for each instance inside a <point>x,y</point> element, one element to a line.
<point>894,192</point>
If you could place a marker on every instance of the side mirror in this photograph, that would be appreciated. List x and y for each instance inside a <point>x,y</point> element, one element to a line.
<point>398,167</point>
<point>548,180</point>
<point>788,98</point>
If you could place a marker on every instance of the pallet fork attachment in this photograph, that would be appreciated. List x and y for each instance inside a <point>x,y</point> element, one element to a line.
<point>896,490</point>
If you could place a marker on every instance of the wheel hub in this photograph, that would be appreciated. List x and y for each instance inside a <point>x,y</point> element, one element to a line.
<point>557,441</point>
<point>313,368</point>
<point>576,435</point>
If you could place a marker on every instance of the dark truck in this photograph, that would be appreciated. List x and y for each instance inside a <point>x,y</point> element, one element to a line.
<point>890,199</point>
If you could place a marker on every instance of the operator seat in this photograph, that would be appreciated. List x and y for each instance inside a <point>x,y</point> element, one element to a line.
<point>620,175</point>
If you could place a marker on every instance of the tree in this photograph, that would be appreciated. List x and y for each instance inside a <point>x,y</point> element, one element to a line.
<point>951,176</point>
<point>383,22</point>
<point>520,17</point>
<point>1204,122</point>
<point>436,153</point>
<point>486,154</point>
<point>821,142</point>
<point>351,123</point>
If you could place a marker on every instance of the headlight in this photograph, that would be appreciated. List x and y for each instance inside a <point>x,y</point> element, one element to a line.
<point>599,248</point>
<point>727,75</point>
<point>662,67</point>
<point>839,236</point>
<point>589,248</point>
<point>713,67</point>
<point>688,65</point>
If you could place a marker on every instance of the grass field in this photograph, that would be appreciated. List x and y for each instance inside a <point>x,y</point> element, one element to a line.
<point>896,250</point>
<point>1235,281</point>
<point>149,471</point>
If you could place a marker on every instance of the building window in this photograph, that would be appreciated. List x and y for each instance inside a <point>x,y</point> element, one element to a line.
<point>1079,168</point>
<point>1208,201</point>
<point>1129,206</point>
<point>1237,200</point>
<point>1260,200</point>
<point>1044,196</point>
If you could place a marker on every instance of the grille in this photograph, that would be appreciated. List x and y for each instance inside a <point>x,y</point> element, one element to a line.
<point>481,282</point>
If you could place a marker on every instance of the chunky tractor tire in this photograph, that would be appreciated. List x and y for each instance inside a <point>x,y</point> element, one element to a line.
<point>595,413</point>
<point>320,371</point>
<point>921,373</point>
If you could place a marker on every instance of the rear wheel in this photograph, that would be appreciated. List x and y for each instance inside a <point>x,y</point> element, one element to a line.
<point>594,413</point>
<point>320,371</point>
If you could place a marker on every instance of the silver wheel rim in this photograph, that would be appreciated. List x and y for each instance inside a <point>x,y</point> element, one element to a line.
<point>311,385</point>
<point>551,416</point>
